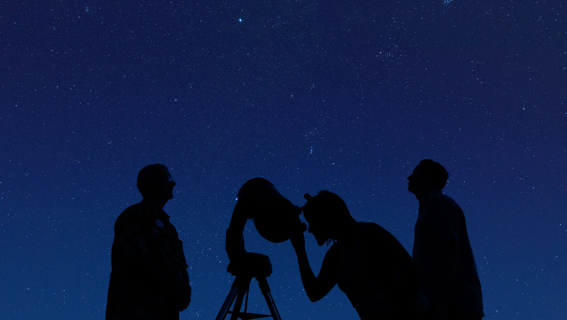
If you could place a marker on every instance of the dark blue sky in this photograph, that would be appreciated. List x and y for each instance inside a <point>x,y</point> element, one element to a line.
<point>344,96</point>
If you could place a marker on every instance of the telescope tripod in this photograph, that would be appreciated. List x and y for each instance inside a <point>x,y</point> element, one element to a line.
<point>257,266</point>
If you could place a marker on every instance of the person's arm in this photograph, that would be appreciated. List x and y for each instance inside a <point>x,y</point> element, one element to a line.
<point>183,291</point>
<point>319,286</point>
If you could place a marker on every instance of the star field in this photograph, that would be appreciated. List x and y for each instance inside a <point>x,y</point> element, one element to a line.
<point>344,96</point>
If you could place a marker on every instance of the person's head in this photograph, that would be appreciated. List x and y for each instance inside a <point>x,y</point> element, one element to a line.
<point>327,215</point>
<point>155,181</point>
<point>428,176</point>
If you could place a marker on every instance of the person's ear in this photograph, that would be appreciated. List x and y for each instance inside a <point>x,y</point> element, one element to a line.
<point>428,179</point>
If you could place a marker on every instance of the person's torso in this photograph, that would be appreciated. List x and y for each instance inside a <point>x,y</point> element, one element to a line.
<point>372,272</point>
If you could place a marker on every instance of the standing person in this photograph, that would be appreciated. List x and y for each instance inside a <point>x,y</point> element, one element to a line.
<point>149,278</point>
<point>367,262</point>
<point>448,275</point>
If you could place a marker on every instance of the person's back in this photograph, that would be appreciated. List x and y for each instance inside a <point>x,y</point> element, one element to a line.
<point>377,274</point>
<point>442,216</point>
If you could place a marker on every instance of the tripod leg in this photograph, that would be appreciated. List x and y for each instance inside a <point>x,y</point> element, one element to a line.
<point>243,285</point>
<point>227,302</point>
<point>265,288</point>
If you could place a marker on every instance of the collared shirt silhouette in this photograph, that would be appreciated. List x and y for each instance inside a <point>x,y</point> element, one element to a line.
<point>149,278</point>
<point>442,251</point>
<point>367,262</point>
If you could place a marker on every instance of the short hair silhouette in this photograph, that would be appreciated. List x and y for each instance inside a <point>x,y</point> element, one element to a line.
<point>148,176</point>
<point>437,172</point>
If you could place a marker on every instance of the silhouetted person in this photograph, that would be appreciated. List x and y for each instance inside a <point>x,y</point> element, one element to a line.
<point>367,262</point>
<point>149,277</point>
<point>448,275</point>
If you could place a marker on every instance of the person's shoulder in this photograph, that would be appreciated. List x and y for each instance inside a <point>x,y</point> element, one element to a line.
<point>372,229</point>
<point>375,236</point>
<point>369,226</point>
<point>445,198</point>
<point>443,203</point>
<point>440,199</point>
<point>133,212</point>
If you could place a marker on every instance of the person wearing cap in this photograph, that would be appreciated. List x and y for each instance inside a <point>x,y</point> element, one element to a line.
<point>149,278</point>
<point>368,263</point>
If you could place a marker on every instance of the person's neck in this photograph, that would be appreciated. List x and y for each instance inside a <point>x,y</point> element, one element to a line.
<point>426,195</point>
<point>154,202</point>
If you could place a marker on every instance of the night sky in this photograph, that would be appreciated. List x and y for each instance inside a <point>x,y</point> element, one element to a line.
<point>310,94</point>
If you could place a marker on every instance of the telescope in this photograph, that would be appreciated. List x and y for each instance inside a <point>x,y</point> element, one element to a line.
<point>275,219</point>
